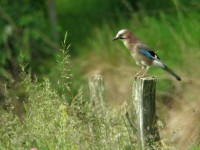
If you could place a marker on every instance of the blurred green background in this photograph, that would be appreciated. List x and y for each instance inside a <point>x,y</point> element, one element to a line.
<point>32,31</point>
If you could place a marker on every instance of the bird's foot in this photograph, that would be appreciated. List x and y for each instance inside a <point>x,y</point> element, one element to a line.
<point>136,77</point>
<point>140,76</point>
<point>141,73</point>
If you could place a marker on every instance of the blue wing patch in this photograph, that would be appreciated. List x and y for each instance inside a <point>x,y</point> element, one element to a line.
<point>149,54</point>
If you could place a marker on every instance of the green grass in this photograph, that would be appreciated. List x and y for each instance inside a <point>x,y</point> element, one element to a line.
<point>50,123</point>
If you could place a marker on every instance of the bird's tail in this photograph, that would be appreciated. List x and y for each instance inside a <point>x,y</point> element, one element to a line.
<point>172,73</point>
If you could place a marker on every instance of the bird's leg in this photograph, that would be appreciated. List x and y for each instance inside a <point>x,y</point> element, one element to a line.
<point>138,74</point>
<point>146,69</point>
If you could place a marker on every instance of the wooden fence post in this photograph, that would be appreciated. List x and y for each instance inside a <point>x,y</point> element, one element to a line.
<point>144,102</point>
<point>97,90</point>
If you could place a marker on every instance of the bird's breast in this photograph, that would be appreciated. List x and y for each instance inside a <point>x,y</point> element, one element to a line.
<point>138,61</point>
<point>126,43</point>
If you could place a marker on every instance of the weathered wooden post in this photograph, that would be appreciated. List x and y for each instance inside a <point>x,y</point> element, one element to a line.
<point>97,99</point>
<point>144,102</point>
<point>97,90</point>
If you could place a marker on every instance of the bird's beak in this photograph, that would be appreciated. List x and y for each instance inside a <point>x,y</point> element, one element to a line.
<point>116,38</point>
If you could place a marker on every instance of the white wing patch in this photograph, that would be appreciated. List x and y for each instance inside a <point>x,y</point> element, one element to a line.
<point>157,63</point>
<point>156,56</point>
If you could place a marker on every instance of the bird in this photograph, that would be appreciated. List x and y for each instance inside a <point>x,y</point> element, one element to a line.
<point>143,54</point>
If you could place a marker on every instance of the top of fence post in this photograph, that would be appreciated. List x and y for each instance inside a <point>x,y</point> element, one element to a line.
<point>97,90</point>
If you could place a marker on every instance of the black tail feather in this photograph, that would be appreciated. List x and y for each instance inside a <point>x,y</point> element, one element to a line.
<point>172,73</point>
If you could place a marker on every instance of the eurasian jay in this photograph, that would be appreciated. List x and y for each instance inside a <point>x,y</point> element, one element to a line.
<point>142,54</point>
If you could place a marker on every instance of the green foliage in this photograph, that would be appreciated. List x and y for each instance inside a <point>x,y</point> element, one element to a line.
<point>80,17</point>
<point>24,30</point>
<point>44,121</point>
<point>47,125</point>
<point>166,5</point>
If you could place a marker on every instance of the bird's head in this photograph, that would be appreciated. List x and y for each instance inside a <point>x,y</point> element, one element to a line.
<point>127,37</point>
<point>123,35</point>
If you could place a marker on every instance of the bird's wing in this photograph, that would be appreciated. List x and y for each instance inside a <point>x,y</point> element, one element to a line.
<point>148,53</point>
